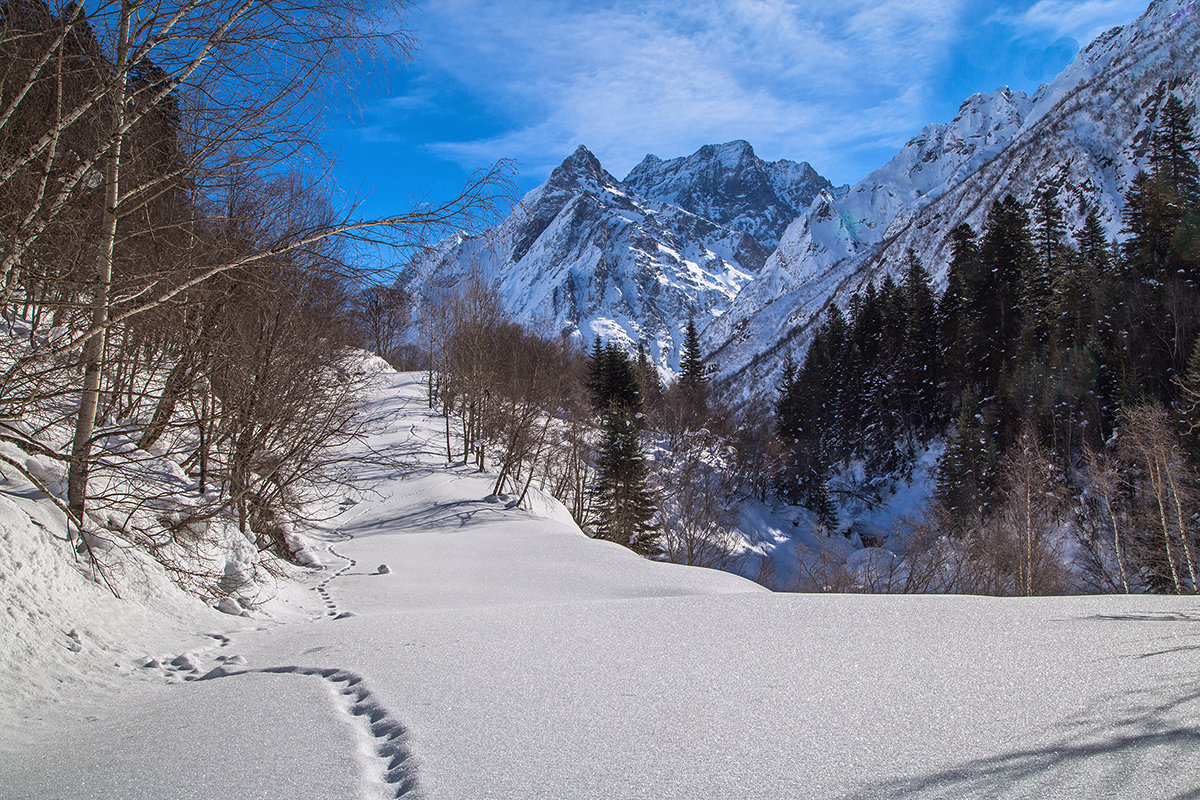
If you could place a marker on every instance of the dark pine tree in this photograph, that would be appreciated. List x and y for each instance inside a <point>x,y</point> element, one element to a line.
<point>612,378</point>
<point>965,471</point>
<point>954,323</point>
<point>647,377</point>
<point>996,298</point>
<point>623,508</point>
<point>1041,271</point>
<point>887,447</point>
<point>1173,146</point>
<point>860,380</point>
<point>918,362</point>
<point>693,378</point>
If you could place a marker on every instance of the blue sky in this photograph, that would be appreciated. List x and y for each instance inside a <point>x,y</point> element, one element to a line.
<point>841,85</point>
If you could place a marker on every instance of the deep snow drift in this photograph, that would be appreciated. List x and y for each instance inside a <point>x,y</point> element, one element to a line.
<point>457,648</point>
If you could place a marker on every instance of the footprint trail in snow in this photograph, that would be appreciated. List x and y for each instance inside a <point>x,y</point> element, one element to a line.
<point>389,764</point>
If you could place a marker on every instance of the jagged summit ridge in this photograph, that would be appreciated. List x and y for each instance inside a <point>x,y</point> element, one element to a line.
<point>581,169</point>
<point>730,185</point>
<point>584,256</point>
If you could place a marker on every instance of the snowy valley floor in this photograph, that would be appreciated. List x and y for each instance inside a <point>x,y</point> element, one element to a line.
<point>505,655</point>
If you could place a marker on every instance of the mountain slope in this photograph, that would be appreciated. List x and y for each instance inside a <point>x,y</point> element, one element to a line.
<point>1084,132</point>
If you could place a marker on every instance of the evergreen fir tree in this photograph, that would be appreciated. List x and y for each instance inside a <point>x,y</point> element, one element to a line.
<point>964,473</point>
<point>954,324</point>
<point>1086,279</point>
<point>691,362</point>
<point>647,377</point>
<point>1041,271</point>
<point>623,507</point>
<point>919,378</point>
<point>1092,243</point>
<point>995,299</point>
<point>1151,217</point>
<point>885,452</point>
<point>612,378</point>
<point>597,375</point>
<point>693,378</point>
<point>802,425</point>
<point>788,404</point>
<point>1172,149</point>
<point>860,380</point>
<point>827,377</point>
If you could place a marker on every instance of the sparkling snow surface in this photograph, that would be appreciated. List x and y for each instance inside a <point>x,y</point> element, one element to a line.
<point>461,649</point>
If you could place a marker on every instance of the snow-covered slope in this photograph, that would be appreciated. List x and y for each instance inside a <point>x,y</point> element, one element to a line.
<point>1084,132</point>
<point>504,655</point>
<point>582,255</point>
<point>730,185</point>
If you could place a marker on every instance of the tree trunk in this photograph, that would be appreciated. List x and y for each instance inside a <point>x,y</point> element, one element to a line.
<point>173,389</point>
<point>93,349</point>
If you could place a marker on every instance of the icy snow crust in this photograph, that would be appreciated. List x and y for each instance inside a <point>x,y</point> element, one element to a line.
<point>501,654</point>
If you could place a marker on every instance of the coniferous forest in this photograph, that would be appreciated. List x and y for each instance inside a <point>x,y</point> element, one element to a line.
<point>1062,374</point>
<point>1053,380</point>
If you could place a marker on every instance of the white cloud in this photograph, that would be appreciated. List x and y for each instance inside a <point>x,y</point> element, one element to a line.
<point>797,79</point>
<point>1081,21</point>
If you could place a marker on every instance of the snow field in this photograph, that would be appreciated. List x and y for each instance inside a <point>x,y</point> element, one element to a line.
<point>503,655</point>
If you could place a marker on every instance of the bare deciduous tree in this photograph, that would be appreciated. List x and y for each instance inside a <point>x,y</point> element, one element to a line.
<point>1147,443</point>
<point>130,129</point>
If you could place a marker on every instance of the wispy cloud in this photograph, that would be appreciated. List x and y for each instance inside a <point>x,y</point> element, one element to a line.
<point>800,79</point>
<point>803,79</point>
<point>1081,21</point>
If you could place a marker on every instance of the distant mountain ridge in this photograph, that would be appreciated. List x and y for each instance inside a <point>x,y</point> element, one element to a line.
<point>730,185</point>
<point>695,237</point>
<point>589,256</point>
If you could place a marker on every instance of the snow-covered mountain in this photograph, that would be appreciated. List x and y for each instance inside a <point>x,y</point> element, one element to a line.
<point>1084,132</point>
<point>583,255</point>
<point>730,185</point>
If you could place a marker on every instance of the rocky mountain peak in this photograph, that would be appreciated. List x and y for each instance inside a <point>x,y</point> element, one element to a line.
<point>729,184</point>
<point>1080,132</point>
<point>581,169</point>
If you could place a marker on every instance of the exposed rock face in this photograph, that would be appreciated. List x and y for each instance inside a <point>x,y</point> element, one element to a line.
<point>582,255</point>
<point>587,255</point>
<point>730,185</point>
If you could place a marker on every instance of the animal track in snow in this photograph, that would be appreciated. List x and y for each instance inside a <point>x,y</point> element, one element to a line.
<point>322,588</point>
<point>190,665</point>
<point>392,765</point>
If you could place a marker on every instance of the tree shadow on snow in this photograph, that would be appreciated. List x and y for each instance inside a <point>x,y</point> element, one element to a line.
<point>1140,742</point>
<point>440,518</point>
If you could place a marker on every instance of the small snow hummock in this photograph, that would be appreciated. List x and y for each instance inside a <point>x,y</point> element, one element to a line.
<point>227,605</point>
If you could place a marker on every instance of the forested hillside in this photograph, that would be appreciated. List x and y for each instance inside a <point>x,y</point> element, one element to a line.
<point>1065,371</point>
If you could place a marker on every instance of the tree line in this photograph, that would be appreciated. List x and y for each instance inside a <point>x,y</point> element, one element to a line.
<point>580,425</point>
